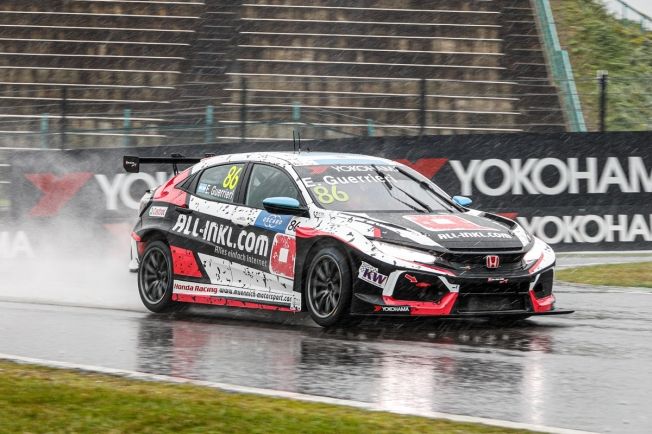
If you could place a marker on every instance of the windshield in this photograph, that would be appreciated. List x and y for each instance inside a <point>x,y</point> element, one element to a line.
<point>368,187</point>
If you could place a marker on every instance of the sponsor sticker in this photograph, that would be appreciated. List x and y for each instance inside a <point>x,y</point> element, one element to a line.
<point>192,288</point>
<point>392,309</point>
<point>215,191</point>
<point>463,235</point>
<point>283,256</point>
<point>370,274</point>
<point>230,241</point>
<point>273,222</point>
<point>158,211</point>
<point>437,223</point>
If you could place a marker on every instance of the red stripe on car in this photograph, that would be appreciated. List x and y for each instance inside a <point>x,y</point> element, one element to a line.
<point>418,308</point>
<point>184,262</point>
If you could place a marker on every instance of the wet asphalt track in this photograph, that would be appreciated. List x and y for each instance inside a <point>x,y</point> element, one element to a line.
<point>591,370</point>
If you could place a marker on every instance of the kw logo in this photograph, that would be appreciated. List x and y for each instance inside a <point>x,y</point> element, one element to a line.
<point>370,274</point>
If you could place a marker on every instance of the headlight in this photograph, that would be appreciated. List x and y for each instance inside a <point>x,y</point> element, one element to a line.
<point>404,253</point>
<point>534,253</point>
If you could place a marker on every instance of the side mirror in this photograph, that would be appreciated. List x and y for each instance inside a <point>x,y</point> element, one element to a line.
<point>283,206</point>
<point>462,201</point>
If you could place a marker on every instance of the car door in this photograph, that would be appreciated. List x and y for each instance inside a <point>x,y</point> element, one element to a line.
<point>271,235</point>
<point>208,220</point>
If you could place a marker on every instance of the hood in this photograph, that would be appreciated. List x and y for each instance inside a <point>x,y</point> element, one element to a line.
<point>452,231</point>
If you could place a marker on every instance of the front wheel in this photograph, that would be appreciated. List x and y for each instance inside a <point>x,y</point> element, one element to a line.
<point>328,287</point>
<point>155,278</point>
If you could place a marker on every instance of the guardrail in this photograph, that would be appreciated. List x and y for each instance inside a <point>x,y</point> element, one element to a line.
<point>624,11</point>
<point>562,70</point>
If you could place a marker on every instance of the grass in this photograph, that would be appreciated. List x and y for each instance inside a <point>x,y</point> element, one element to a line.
<point>631,274</point>
<point>596,40</point>
<point>37,399</point>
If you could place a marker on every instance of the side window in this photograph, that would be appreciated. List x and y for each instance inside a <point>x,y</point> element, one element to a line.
<point>219,183</point>
<point>267,181</point>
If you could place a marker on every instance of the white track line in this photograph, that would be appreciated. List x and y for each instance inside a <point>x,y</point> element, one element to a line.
<point>287,395</point>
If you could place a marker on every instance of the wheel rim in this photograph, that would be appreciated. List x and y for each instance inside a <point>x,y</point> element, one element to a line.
<point>325,286</point>
<point>155,277</point>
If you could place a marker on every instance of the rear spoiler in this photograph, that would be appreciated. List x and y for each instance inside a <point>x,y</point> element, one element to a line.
<point>132,164</point>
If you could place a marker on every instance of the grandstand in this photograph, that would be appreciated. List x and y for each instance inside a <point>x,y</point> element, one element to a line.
<point>112,72</point>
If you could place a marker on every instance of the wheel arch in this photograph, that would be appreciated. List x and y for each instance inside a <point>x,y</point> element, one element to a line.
<point>149,235</point>
<point>306,249</point>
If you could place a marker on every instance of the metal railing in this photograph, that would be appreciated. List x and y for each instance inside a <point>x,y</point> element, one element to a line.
<point>625,11</point>
<point>562,71</point>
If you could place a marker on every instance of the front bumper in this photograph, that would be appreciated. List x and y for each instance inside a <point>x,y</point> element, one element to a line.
<point>418,293</point>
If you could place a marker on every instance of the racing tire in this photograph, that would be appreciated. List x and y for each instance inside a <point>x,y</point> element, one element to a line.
<point>328,287</point>
<point>155,278</point>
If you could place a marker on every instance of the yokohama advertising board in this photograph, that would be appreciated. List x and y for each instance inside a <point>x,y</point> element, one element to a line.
<point>578,192</point>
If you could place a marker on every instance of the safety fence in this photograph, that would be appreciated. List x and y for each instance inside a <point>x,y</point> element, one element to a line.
<point>402,108</point>
<point>625,11</point>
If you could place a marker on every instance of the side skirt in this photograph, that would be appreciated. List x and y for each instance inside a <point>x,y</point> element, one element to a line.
<point>219,295</point>
<point>218,301</point>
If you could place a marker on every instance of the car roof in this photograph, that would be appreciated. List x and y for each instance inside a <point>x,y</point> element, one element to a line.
<point>299,158</point>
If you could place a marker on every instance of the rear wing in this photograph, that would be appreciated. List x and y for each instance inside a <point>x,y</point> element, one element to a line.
<point>132,164</point>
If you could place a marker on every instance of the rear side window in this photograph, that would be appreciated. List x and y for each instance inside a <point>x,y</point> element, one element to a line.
<point>267,181</point>
<point>219,183</point>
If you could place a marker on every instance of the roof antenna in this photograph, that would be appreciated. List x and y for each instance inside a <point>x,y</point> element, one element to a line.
<point>294,141</point>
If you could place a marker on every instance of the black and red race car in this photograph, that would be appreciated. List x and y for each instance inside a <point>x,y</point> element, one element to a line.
<point>337,235</point>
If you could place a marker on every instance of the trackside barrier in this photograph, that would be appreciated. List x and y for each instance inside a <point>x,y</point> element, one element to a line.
<point>576,191</point>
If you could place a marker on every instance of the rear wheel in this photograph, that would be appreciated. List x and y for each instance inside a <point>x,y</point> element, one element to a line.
<point>328,287</point>
<point>155,278</point>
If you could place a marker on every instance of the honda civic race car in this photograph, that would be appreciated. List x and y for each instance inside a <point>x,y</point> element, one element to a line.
<point>338,235</point>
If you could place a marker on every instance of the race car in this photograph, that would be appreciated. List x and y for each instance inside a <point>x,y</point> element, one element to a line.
<point>338,235</point>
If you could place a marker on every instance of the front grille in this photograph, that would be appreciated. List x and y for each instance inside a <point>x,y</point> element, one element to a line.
<point>477,262</point>
<point>491,303</point>
<point>419,287</point>
<point>483,295</point>
<point>497,287</point>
